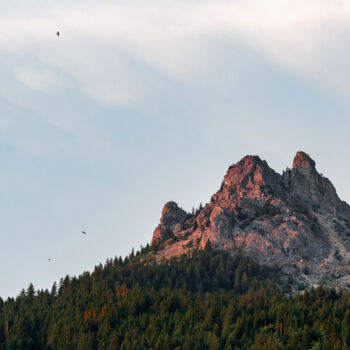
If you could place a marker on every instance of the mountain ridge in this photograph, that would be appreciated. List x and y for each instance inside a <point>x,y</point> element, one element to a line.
<point>294,220</point>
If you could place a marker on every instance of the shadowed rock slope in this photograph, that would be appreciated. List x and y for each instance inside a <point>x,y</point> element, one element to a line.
<point>295,221</point>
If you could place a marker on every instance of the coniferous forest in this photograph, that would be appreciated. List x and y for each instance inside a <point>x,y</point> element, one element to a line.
<point>211,300</point>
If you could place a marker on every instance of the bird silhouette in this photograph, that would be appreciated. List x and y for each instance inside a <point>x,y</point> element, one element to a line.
<point>58,33</point>
<point>83,232</point>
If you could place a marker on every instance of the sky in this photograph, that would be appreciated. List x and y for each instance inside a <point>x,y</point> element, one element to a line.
<point>138,102</point>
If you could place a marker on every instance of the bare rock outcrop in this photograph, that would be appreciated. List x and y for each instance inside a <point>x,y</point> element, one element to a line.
<point>170,222</point>
<point>295,221</point>
<point>303,160</point>
<point>306,185</point>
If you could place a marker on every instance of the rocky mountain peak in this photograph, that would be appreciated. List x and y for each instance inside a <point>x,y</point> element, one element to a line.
<point>249,167</point>
<point>172,215</point>
<point>251,178</point>
<point>311,188</point>
<point>295,221</point>
<point>303,160</point>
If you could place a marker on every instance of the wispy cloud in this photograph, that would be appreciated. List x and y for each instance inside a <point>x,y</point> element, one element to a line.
<point>35,78</point>
<point>303,37</point>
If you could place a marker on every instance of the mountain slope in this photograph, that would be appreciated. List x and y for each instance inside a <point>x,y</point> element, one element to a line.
<point>295,221</point>
<point>211,300</point>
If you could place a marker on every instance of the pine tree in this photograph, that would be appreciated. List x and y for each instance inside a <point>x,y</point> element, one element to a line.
<point>346,331</point>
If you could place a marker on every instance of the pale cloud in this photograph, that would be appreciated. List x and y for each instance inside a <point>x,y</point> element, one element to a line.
<point>35,78</point>
<point>307,38</point>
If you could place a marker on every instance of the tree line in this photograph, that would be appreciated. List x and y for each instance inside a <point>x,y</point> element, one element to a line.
<point>209,300</point>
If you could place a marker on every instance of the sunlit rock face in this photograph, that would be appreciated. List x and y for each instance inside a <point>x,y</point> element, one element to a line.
<point>303,160</point>
<point>295,221</point>
<point>170,222</point>
<point>307,185</point>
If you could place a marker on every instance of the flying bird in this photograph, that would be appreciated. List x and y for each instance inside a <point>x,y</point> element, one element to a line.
<point>58,33</point>
<point>83,232</point>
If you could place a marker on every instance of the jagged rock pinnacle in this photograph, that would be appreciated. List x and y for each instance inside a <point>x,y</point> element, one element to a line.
<point>295,221</point>
<point>303,160</point>
<point>172,215</point>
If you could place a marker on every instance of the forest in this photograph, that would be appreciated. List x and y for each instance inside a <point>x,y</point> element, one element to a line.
<point>209,300</point>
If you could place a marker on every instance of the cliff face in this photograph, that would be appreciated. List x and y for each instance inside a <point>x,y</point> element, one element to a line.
<point>295,221</point>
<point>307,185</point>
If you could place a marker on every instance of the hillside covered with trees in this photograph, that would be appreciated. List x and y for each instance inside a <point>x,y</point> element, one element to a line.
<point>211,300</point>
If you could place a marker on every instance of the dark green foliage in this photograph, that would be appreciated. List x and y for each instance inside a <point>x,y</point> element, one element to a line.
<point>209,301</point>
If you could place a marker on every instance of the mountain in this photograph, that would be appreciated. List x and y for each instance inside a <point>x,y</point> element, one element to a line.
<point>212,300</point>
<point>208,281</point>
<point>294,221</point>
